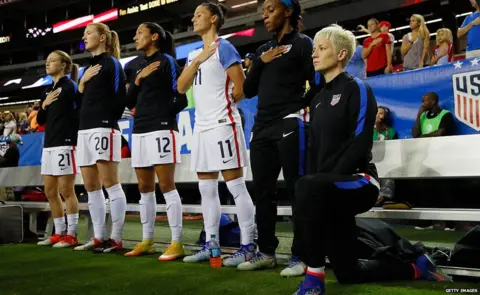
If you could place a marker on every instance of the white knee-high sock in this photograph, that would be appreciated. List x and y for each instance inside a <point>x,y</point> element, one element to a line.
<point>245,209</point>
<point>118,207</point>
<point>210,207</point>
<point>148,213</point>
<point>174,213</point>
<point>60,225</point>
<point>97,208</point>
<point>72,222</point>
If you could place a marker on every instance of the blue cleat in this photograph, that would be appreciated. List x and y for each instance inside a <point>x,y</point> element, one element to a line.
<point>429,270</point>
<point>307,288</point>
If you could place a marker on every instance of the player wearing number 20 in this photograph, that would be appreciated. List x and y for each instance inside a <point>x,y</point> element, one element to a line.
<point>102,88</point>
<point>57,111</point>
<point>155,146</point>
<point>219,144</point>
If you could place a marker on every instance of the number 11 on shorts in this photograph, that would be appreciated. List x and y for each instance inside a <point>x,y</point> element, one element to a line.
<point>229,144</point>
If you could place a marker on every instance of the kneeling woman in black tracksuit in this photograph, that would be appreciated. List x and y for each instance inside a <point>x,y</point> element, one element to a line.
<point>341,181</point>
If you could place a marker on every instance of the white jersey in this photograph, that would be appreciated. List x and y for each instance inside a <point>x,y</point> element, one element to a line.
<point>212,88</point>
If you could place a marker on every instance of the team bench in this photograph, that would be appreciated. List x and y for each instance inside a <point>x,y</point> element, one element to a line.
<point>447,157</point>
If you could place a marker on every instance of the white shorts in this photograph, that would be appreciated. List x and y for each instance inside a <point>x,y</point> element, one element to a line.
<point>99,144</point>
<point>59,161</point>
<point>155,148</point>
<point>218,149</point>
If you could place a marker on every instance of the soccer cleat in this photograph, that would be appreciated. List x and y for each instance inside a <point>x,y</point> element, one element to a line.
<point>67,242</point>
<point>201,255</point>
<point>296,268</point>
<point>51,241</point>
<point>144,248</point>
<point>259,261</point>
<point>88,246</point>
<point>108,246</point>
<point>306,288</point>
<point>424,227</point>
<point>429,270</point>
<point>173,252</point>
<point>244,254</point>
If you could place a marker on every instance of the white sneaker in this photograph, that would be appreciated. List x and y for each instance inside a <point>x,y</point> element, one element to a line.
<point>424,227</point>
<point>259,261</point>
<point>201,255</point>
<point>88,246</point>
<point>245,253</point>
<point>56,238</point>
<point>295,269</point>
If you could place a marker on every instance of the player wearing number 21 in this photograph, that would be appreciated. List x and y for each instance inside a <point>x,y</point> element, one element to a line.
<point>219,144</point>
<point>57,111</point>
<point>155,146</point>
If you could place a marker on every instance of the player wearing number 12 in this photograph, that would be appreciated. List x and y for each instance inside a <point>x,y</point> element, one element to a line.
<point>219,144</point>
<point>102,88</point>
<point>155,146</point>
<point>58,112</point>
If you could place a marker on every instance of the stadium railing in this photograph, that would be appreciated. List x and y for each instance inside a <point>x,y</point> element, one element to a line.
<point>441,157</point>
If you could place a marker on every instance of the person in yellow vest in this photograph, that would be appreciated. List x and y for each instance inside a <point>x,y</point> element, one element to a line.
<point>432,120</point>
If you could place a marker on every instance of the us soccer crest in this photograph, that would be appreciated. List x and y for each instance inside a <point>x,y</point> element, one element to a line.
<point>466,94</point>
<point>335,99</point>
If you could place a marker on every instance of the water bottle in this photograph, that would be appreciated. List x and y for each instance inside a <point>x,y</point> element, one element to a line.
<point>215,253</point>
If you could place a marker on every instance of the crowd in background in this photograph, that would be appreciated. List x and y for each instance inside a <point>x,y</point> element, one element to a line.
<point>375,56</point>
<point>20,122</point>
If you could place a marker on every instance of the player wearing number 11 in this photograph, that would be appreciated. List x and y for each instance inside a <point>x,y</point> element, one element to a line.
<point>155,146</point>
<point>219,144</point>
<point>57,111</point>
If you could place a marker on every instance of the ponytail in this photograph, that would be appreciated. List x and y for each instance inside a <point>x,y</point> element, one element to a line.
<point>168,45</point>
<point>164,42</point>
<point>74,73</point>
<point>70,67</point>
<point>112,43</point>
<point>114,48</point>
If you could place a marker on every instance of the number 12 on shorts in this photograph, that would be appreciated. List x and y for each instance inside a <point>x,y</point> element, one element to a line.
<point>166,143</point>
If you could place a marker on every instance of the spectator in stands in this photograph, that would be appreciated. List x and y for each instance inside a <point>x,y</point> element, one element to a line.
<point>377,50</point>
<point>10,126</point>
<point>416,44</point>
<point>12,155</point>
<point>443,52</point>
<point>28,109</point>
<point>249,57</point>
<point>32,118</point>
<point>2,122</point>
<point>471,28</point>
<point>384,131</point>
<point>356,66</point>
<point>385,28</point>
<point>23,125</point>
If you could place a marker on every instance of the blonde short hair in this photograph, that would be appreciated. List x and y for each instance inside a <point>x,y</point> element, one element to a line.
<point>342,40</point>
<point>448,34</point>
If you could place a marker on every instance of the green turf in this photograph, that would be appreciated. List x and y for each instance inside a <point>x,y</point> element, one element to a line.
<point>191,232</point>
<point>30,269</point>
